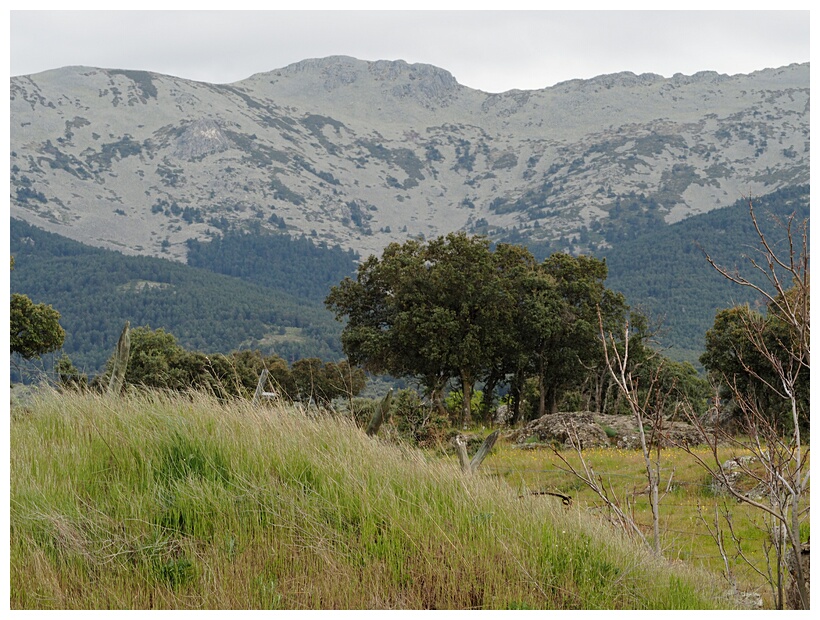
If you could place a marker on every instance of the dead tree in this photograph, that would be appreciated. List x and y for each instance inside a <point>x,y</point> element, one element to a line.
<point>781,461</point>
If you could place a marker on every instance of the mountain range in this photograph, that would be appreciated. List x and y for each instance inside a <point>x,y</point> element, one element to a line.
<point>283,180</point>
<point>359,154</point>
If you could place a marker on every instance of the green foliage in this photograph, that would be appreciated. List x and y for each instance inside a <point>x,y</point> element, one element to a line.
<point>324,381</point>
<point>98,290</point>
<point>35,328</point>
<point>572,400</point>
<point>157,360</point>
<point>361,410</point>
<point>575,344</point>
<point>664,272</point>
<point>296,266</point>
<point>455,402</point>
<point>418,422</point>
<point>426,310</point>
<point>68,376</point>
<point>734,359</point>
<point>455,309</point>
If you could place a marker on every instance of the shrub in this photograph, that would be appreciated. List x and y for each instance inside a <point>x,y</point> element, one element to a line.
<point>454,401</point>
<point>417,422</point>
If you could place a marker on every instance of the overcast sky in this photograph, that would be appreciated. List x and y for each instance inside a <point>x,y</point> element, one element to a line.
<point>492,51</point>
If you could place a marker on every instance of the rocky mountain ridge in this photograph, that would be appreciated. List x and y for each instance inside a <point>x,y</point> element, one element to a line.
<point>364,153</point>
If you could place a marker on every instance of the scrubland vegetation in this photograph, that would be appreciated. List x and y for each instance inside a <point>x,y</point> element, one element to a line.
<point>688,504</point>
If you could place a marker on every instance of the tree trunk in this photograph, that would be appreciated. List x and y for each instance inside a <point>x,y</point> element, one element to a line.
<point>553,400</point>
<point>487,399</point>
<point>542,390</point>
<point>467,396</point>
<point>438,403</point>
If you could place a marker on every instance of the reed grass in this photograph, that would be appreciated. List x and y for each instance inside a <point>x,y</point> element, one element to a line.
<point>158,501</point>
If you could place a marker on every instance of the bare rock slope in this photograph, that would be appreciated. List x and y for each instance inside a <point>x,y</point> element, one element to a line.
<point>364,153</point>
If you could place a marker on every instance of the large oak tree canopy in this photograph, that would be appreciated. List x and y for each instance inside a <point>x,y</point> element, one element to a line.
<point>455,308</point>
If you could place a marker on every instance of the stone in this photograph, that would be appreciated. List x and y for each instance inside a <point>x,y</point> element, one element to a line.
<point>564,429</point>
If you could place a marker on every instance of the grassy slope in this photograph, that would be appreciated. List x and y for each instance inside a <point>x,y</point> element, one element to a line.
<point>686,496</point>
<point>167,502</point>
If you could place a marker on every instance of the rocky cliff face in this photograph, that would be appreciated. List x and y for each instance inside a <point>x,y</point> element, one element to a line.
<point>364,153</point>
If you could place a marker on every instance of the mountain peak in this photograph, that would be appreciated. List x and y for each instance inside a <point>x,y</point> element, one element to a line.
<point>428,85</point>
<point>362,153</point>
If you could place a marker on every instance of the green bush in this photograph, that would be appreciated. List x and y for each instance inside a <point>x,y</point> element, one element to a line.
<point>361,410</point>
<point>416,421</point>
<point>454,401</point>
<point>573,400</point>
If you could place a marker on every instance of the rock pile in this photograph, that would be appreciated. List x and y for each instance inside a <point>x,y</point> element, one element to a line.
<point>598,430</point>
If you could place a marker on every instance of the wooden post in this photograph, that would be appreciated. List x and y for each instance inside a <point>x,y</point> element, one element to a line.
<point>461,448</point>
<point>468,466</point>
<point>120,361</point>
<point>381,414</point>
<point>484,450</point>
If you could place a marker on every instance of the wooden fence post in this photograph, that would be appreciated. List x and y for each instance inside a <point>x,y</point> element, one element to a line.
<point>467,466</point>
<point>461,449</point>
<point>117,379</point>
<point>484,450</point>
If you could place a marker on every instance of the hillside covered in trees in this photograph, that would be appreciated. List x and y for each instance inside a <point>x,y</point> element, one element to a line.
<point>97,290</point>
<point>254,289</point>
<point>297,266</point>
<point>665,273</point>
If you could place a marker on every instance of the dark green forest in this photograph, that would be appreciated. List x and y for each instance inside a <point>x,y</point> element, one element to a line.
<point>256,290</point>
<point>666,276</point>
<point>297,266</point>
<point>97,290</point>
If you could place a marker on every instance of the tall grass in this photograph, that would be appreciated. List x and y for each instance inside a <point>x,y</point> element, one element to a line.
<point>160,501</point>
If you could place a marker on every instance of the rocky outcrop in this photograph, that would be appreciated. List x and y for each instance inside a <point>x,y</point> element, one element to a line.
<point>599,430</point>
<point>200,138</point>
<point>740,477</point>
<point>563,429</point>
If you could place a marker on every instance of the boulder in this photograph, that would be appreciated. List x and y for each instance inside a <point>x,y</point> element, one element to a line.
<point>597,430</point>
<point>738,479</point>
<point>503,414</point>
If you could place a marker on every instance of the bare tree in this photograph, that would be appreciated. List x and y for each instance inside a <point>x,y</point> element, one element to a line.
<point>646,405</point>
<point>620,512</point>
<point>645,409</point>
<point>779,464</point>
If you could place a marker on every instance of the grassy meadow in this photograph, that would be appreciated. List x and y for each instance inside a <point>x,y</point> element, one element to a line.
<point>155,501</point>
<point>687,505</point>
